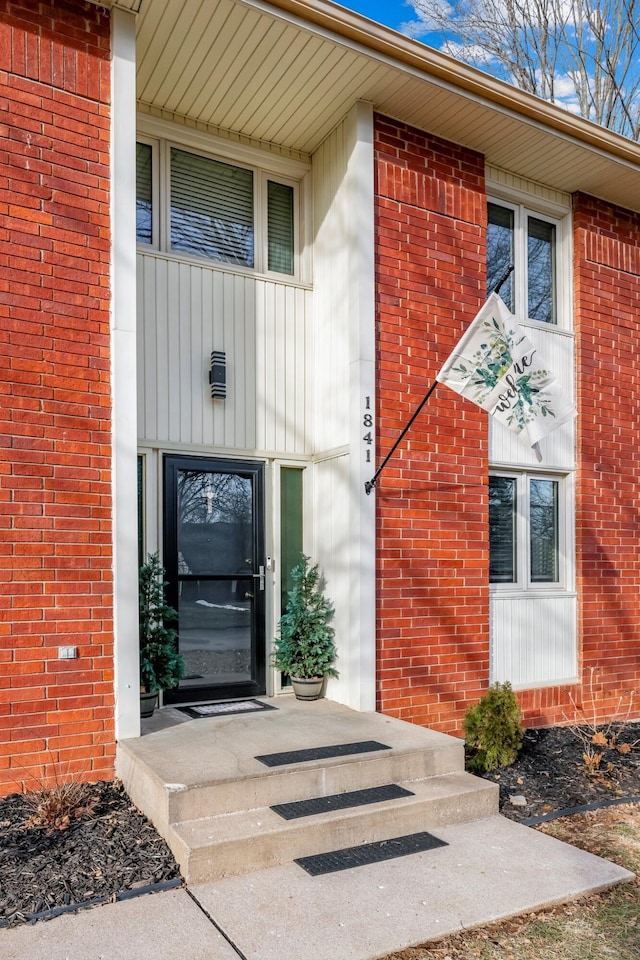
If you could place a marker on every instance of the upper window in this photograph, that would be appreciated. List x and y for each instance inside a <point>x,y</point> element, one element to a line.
<point>144,195</point>
<point>524,530</point>
<point>211,208</point>
<point>221,211</point>
<point>527,242</point>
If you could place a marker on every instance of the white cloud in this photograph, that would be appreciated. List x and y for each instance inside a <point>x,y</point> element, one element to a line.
<point>430,14</point>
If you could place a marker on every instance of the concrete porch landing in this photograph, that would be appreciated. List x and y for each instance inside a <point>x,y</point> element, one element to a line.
<point>200,782</point>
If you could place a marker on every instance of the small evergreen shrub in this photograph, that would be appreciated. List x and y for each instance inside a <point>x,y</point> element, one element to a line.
<point>493,729</point>
<point>305,648</point>
<point>161,666</point>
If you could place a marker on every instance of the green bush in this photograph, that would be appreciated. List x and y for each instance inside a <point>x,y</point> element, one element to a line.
<point>161,666</point>
<point>305,648</point>
<point>493,729</point>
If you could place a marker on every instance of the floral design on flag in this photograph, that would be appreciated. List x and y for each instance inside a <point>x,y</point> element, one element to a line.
<point>497,367</point>
<point>494,363</point>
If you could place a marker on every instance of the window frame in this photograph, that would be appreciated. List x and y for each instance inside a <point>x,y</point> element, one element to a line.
<point>155,195</point>
<point>523,584</point>
<point>560,220</point>
<point>264,166</point>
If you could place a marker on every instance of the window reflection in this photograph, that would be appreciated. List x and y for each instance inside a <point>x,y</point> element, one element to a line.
<point>541,270</point>
<point>500,251</point>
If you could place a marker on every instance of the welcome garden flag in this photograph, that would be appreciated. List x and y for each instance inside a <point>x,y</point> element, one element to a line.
<point>497,367</point>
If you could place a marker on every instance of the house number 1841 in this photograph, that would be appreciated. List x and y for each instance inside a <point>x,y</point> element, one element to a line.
<point>367,423</point>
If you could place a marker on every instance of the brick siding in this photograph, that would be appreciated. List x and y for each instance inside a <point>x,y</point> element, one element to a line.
<point>56,716</point>
<point>432,528</point>
<point>432,573</point>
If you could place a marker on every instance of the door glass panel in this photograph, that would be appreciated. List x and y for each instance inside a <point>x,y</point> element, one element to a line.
<point>215,523</point>
<point>215,618</point>
<point>216,582</point>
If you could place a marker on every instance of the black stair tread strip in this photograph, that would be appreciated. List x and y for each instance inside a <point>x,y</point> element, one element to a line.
<point>369,853</point>
<point>340,801</point>
<point>321,753</point>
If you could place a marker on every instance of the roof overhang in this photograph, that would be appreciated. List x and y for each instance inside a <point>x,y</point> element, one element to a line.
<point>286,72</point>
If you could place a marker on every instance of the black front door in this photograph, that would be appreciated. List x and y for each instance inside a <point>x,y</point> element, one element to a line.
<point>213,557</point>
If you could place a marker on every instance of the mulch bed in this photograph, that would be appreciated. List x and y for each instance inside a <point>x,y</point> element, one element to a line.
<point>551,775</point>
<point>110,847</point>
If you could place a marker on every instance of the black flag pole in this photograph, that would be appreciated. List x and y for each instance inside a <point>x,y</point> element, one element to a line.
<point>370,484</point>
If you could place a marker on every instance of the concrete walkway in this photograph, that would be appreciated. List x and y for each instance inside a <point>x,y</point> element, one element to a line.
<point>490,869</point>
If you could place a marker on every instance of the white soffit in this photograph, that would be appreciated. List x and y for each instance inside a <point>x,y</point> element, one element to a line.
<point>262,72</point>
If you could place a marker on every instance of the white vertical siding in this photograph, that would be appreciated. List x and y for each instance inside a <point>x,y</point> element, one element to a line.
<point>343,376</point>
<point>533,640</point>
<point>332,510</point>
<point>187,310</point>
<point>332,290</point>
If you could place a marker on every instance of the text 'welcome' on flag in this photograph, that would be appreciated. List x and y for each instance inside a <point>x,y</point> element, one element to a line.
<point>497,367</point>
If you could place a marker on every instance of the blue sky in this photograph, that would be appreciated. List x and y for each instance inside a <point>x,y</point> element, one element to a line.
<point>398,14</point>
<point>392,13</point>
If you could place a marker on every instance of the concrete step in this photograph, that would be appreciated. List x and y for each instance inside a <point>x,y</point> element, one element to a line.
<point>265,787</point>
<point>208,784</point>
<point>208,767</point>
<point>217,846</point>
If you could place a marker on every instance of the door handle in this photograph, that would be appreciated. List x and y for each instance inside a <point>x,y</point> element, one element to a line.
<point>259,577</point>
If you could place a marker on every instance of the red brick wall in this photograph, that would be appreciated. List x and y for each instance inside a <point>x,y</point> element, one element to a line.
<point>56,716</point>
<point>607,319</point>
<point>606,251</point>
<point>433,611</point>
<point>432,529</point>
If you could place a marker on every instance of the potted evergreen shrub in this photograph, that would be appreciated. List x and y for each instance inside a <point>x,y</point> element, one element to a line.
<point>305,648</point>
<point>161,666</point>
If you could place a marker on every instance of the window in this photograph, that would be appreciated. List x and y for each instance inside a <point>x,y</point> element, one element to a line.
<point>524,530</point>
<point>214,209</point>
<point>280,227</point>
<point>516,237</point>
<point>144,214</point>
<point>211,208</point>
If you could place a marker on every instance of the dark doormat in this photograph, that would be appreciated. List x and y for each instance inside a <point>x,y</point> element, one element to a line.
<point>369,853</point>
<point>340,801</point>
<point>321,753</point>
<point>225,708</point>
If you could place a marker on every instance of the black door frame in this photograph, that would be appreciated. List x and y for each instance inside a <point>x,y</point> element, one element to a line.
<point>172,463</point>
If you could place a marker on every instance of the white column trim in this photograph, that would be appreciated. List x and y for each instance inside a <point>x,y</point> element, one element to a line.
<point>360,179</point>
<point>123,373</point>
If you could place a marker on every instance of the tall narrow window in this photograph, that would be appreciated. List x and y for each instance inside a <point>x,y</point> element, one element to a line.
<point>291,534</point>
<point>541,279</point>
<point>500,253</point>
<point>144,188</point>
<point>211,208</point>
<point>290,527</point>
<point>543,514</point>
<point>502,530</point>
<point>280,227</point>
<point>140,510</point>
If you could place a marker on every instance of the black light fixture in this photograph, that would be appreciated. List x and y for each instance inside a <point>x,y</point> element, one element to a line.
<point>218,374</point>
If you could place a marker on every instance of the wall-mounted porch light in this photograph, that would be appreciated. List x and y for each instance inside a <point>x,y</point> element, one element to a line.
<point>218,374</point>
